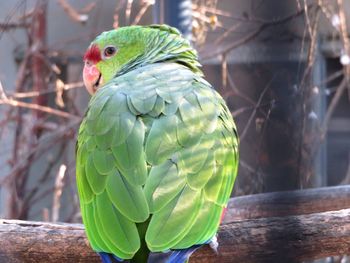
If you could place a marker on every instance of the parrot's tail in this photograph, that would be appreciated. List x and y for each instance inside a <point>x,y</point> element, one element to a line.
<point>109,258</point>
<point>182,255</point>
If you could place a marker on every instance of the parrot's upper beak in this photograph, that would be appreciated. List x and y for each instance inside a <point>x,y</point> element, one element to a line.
<point>92,77</point>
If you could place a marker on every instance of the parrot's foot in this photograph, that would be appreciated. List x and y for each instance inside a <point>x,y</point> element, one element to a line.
<point>214,244</point>
<point>109,258</point>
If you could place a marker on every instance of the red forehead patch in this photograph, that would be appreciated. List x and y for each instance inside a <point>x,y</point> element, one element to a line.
<point>93,54</point>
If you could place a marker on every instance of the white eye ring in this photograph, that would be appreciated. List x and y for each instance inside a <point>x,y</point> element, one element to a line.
<point>109,51</point>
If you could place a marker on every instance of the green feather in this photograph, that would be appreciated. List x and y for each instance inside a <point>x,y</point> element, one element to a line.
<point>95,239</point>
<point>115,228</point>
<point>85,192</point>
<point>133,110</point>
<point>191,160</point>
<point>170,224</point>
<point>165,95</point>
<point>230,172</point>
<point>199,179</point>
<point>103,142</point>
<point>82,154</point>
<point>190,114</point>
<point>143,105</point>
<point>160,144</point>
<point>96,180</point>
<point>98,106</point>
<point>123,126</point>
<point>101,125</point>
<point>90,144</point>
<point>206,102</point>
<point>129,155</point>
<point>127,198</point>
<point>158,107</point>
<point>170,108</point>
<point>187,135</point>
<point>117,104</point>
<point>213,186</point>
<point>205,226</point>
<point>104,161</point>
<point>163,184</point>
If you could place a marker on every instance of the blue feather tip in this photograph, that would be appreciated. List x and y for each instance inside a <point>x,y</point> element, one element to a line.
<point>182,255</point>
<point>109,258</point>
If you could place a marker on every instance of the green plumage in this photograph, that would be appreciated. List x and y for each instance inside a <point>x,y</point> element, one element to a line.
<point>157,144</point>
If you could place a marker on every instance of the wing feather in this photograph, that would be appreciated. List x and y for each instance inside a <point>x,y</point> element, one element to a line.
<point>127,198</point>
<point>163,184</point>
<point>205,132</point>
<point>171,223</point>
<point>120,231</point>
<point>129,155</point>
<point>157,141</point>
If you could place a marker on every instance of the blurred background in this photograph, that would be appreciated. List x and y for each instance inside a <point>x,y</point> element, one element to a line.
<point>282,67</point>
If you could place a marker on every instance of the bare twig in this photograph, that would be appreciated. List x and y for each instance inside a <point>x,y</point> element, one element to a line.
<point>224,70</point>
<point>45,176</point>
<point>30,94</point>
<point>118,8</point>
<point>245,130</point>
<point>16,103</point>
<point>74,14</point>
<point>213,10</point>
<point>56,204</point>
<point>2,92</point>
<point>345,38</point>
<point>334,102</point>
<point>142,11</point>
<point>12,26</point>
<point>128,11</point>
<point>252,35</point>
<point>42,145</point>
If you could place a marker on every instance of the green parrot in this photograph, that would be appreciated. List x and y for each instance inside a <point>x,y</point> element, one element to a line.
<point>157,150</point>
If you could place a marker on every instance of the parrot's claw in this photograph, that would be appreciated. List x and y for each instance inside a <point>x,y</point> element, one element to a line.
<point>214,244</point>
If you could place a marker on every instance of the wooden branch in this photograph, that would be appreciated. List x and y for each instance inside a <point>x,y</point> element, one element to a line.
<point>281,239</point>
<point>25,241</point>
<point>288,235</point>
<point>288,203</point>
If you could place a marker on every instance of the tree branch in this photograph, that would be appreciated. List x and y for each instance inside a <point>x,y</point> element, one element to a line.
<point>288,235</point>
<point>39,108</point>
<point>287,203</point>
<point>281,239</point>
<point>251,35</point>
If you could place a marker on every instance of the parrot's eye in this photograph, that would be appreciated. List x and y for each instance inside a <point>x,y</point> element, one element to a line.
<point>109,51</point>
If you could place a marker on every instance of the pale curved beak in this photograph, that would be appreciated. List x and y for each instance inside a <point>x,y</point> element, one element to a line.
<point>92,77</point>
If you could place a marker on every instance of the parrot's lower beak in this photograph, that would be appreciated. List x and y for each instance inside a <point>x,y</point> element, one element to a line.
<point>92,77</point>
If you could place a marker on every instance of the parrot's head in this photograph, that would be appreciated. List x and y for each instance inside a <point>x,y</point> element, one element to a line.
<point>108,53</point>
<point>115,52</point>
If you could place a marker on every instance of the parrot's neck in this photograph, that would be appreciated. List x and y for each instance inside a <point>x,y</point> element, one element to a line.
<point>166,48</point>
